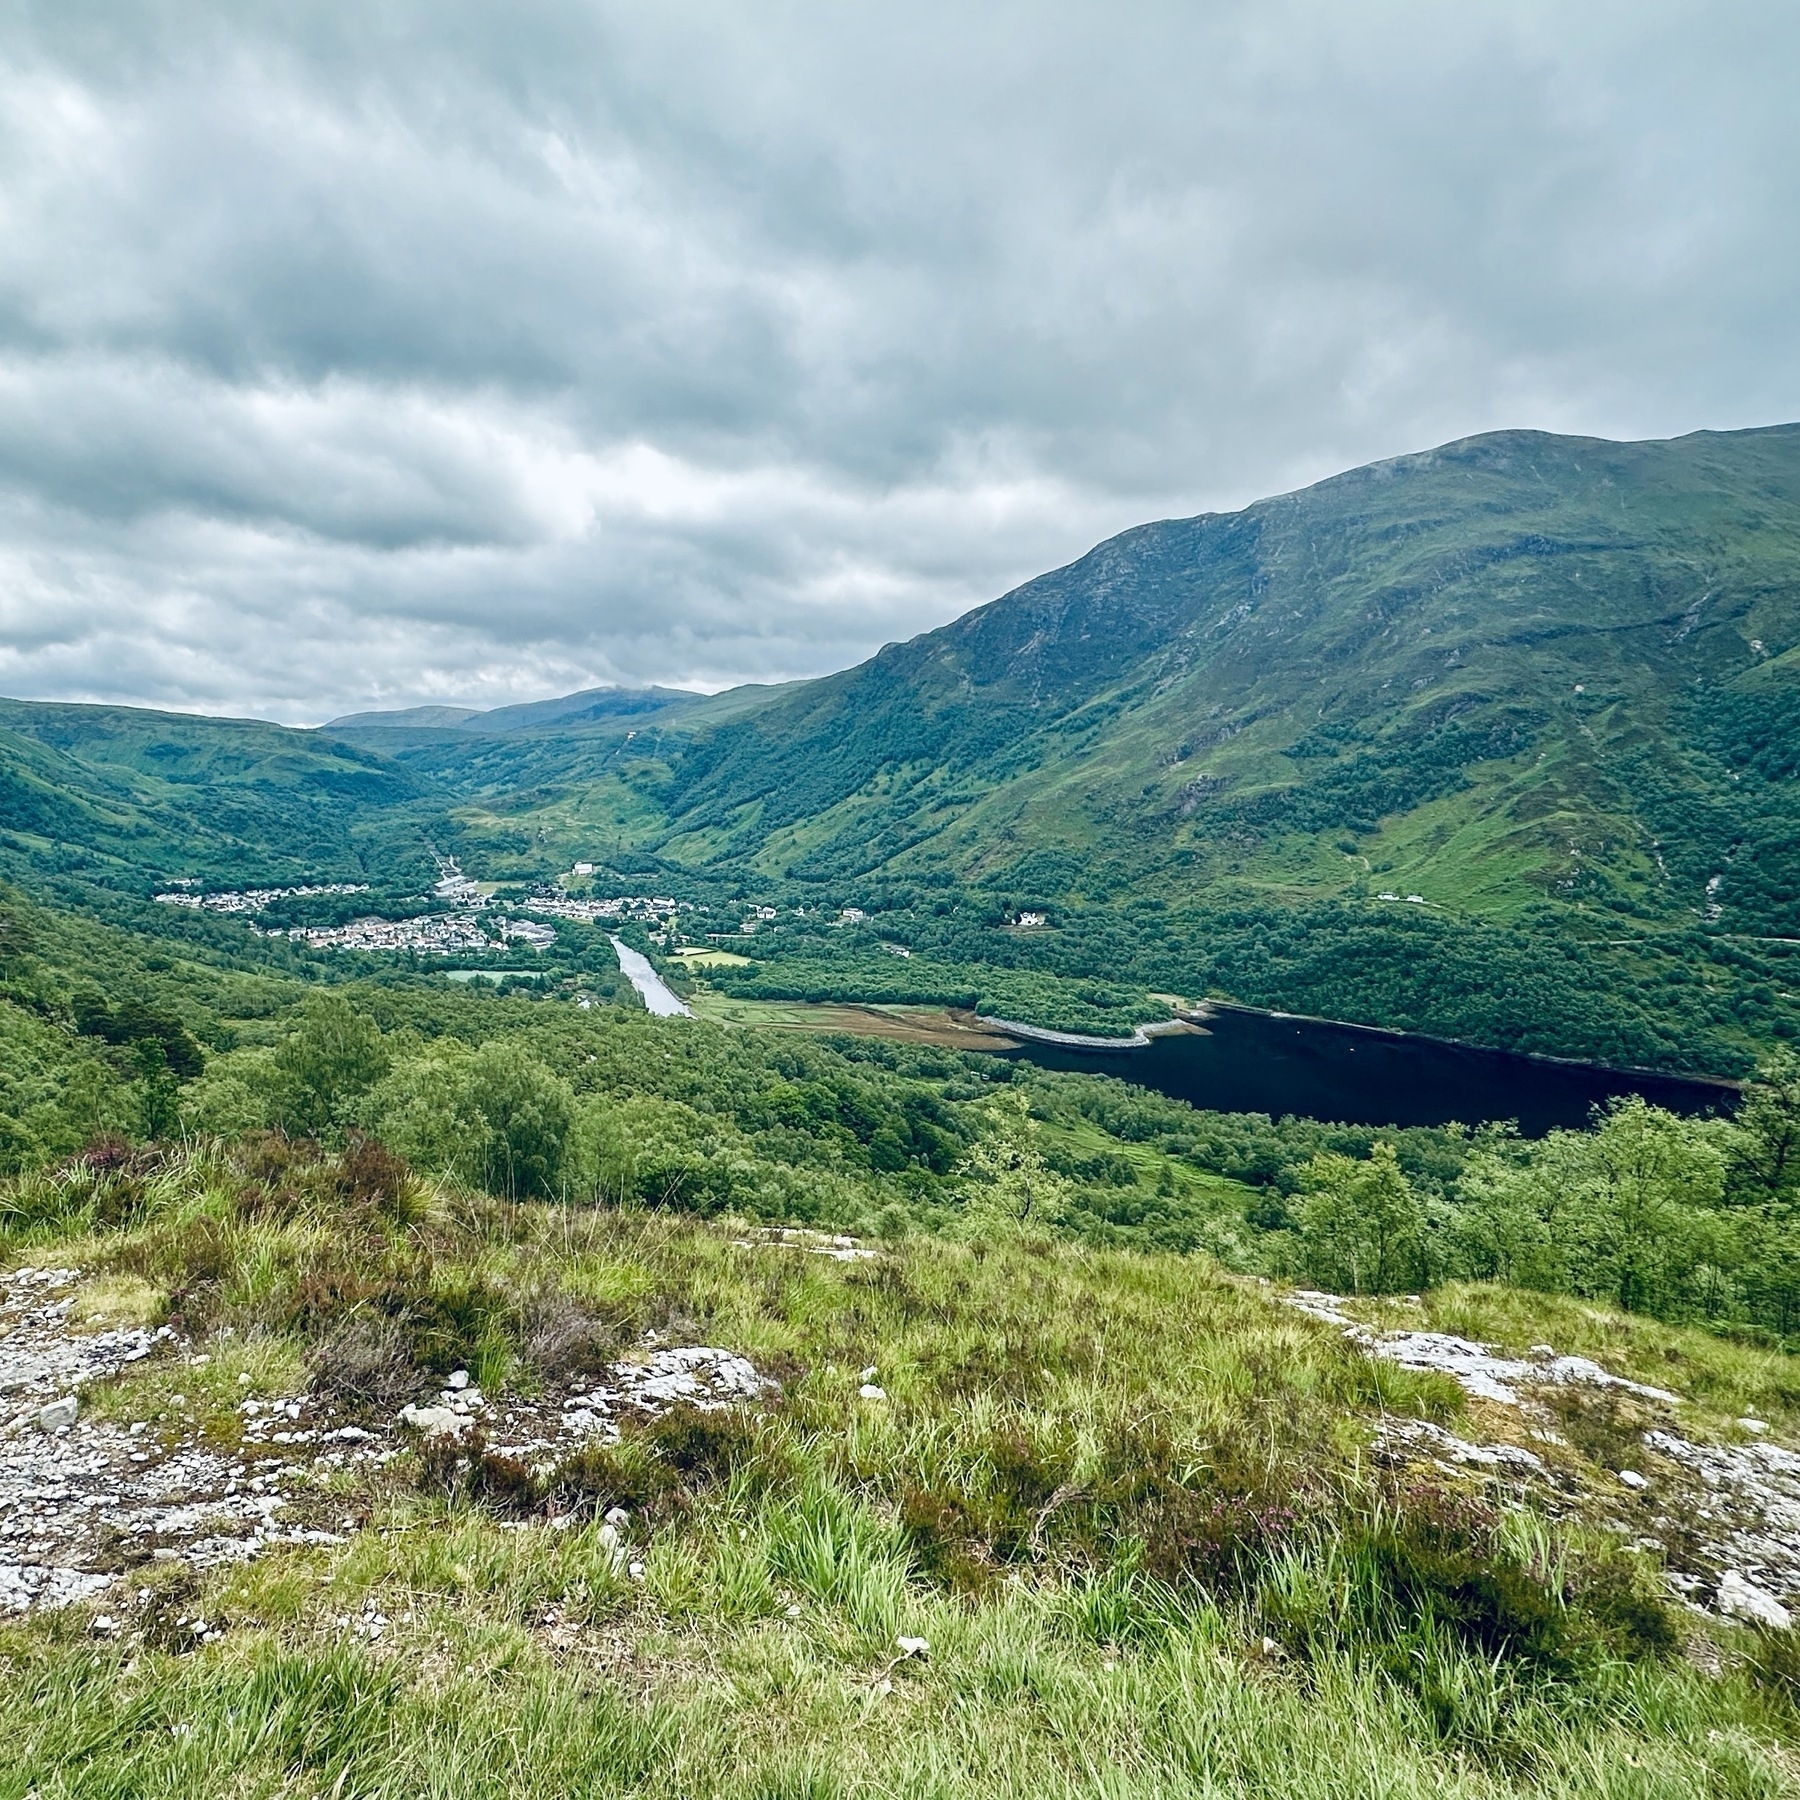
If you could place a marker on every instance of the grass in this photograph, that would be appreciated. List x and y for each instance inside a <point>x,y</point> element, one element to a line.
<point>1127,1499</point>
<point>906,1024</point>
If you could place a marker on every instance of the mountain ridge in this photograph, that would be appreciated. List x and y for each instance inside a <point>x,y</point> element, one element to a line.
<point>1638,549</point>
<point>1528,689</point>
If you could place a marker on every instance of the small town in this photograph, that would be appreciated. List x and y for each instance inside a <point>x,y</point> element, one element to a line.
<point>620,907</point>
<point>252,900</point>
<point>431,934</point>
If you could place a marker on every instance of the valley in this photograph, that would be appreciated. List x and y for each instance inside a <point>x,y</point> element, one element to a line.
<point>1018,1194</point>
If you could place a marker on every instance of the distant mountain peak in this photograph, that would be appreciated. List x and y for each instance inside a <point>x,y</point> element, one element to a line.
<point>530,715</point>
<point>420,718</point>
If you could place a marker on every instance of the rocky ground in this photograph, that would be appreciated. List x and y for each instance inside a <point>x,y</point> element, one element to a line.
<point>1724,1516</point>
<point>85,1501</point>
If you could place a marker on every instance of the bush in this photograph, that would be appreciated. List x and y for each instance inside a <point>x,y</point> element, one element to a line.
<point>1362,1229</point>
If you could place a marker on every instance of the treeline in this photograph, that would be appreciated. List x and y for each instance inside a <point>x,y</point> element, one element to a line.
<point>1680,1000</point>
<point>537,1101</point>
<point>1682,1219</point>
<point>1685,1219</point>
<point>869,974</point>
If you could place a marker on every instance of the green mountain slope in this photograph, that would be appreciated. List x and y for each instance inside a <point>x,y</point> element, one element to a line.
<point>1515,668</point>
<point>1498,741</point>
<point>590,706</point>
<point>123,798</point>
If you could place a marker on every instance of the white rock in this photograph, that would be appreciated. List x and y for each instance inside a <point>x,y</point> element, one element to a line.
<point>1633,1480</point>
<point>617,1517</point>
<point>459,1379</point>
<point>869,1373</point>
<point>913,1646</point>
<point>869,1391</point>
<point>1741,1598</point>
<point>1476,1367</point>
<point>1422,1434</point>
<point>435,1421</point>
<point>59,1415</point>
<point>1756,1427</point>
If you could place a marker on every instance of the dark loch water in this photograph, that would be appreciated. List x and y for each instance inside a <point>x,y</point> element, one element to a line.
<point>1265,1062</point>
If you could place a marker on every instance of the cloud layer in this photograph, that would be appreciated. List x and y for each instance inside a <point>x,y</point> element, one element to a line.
<point>356,355</point>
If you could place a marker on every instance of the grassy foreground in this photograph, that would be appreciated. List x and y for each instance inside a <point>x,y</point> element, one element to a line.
<point>1127,1500</point>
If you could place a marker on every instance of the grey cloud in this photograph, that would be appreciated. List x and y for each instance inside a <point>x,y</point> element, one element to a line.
<point>355,354</point>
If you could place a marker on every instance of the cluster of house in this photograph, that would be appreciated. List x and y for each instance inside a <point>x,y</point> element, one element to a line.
<point>621,906</point>
<point>432,934</point>
<point>251,900</point>
<point>458,933</point>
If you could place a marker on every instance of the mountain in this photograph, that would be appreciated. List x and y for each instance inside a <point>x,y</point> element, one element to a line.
<point>590,706</point>
<point>121,797</point>
<point>409,718</point>
<point>1497,741</point>
<point>1514,669</point>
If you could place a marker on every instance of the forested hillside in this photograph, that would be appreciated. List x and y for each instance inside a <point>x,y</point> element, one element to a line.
<point>119,798</point>
<point>1495,742</point>
<point>1510,669</point>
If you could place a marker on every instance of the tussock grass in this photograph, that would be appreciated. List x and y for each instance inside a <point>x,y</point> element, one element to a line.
<point>1128,1500</point>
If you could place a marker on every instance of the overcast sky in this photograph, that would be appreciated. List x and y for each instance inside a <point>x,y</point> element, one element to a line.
<point>373,353</point>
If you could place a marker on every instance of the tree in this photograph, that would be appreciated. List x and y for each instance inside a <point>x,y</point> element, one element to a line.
<point>1763,1187</point>
<point>529,1112</point>
<point>1007,1185</point>
<point>322,1067</point>
<point>1513,1220</point>
<point>1765,1156</point>
<point>425,1107</point>
<point>1362,1227</point>
<point>159,1093</point>
<point>1643,1184</point>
